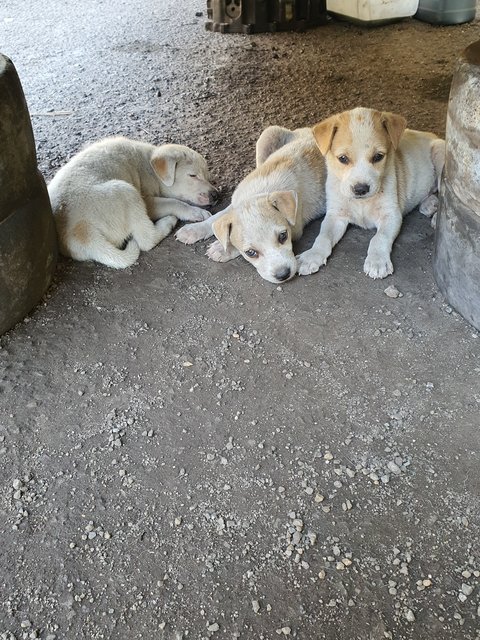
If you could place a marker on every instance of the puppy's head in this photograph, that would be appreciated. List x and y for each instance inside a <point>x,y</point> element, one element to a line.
<point>183,174</point>
<point>260,228</point>
<point>357,145</point>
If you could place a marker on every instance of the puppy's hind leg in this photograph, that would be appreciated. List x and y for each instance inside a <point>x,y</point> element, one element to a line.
<point>148,234</point>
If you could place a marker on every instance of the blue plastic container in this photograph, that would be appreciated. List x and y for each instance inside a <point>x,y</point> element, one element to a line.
<point>446,11</point>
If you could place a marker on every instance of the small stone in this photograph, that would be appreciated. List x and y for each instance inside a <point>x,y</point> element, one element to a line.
<point>213,627</point>
<point>255,606</point>
<point>409,615</point>
<point>309,491</point>
<point>394,468</point>
<point>328,456</point>
<point>319,497</point>
<point>392,292</point>
<point>187,364</point>
<point>322,574</point>
<point>17,484</point>
<point>467,589</point>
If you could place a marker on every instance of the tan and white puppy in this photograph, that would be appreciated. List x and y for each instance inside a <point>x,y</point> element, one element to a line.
<point>377,172</point>
<point>270,207</point>
<point>118,197</point>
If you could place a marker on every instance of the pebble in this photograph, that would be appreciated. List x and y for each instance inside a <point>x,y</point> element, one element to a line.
<point>467,589</point>
<point>392,292</point>
<point>255,606</point>
<point>284,631</point>
<point>394,468</point>
<point>409,615</point>
<point>319,497</point>
<point>213,627</point>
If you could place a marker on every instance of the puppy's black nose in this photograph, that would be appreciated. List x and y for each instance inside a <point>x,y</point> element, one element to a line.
<point>361,189</point>
<point>283,274</point>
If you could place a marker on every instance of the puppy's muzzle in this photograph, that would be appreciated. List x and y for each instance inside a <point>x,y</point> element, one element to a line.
<point>360,189</point>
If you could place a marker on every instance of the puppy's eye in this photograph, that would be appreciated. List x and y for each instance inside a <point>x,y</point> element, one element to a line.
<point>378,157</point>
<point>343,159</point>
<point>192,175</point>
<point>282,237</point>
<point>251,253</point>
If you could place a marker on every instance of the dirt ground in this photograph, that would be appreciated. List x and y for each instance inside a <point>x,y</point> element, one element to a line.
<point>187,451</point>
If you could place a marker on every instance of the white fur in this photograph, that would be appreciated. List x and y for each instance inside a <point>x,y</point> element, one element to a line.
<point>406,178</point>
<point>289,169</point>
<point>111,200</point>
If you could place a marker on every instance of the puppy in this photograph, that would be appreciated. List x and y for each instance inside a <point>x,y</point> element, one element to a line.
<point>377,172</point>
<point>118,197</point>
<point>270,207</point>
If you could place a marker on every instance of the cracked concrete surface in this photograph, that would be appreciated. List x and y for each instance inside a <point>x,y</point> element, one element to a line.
<point>188,451</point>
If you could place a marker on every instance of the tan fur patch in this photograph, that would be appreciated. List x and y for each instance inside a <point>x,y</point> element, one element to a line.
<point>81,232</point>
<point>269,167</point>
<point>161,166</point>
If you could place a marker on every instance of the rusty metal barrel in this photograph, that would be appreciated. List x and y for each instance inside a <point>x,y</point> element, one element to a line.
<point>457,238</point>
<point>28,244</point>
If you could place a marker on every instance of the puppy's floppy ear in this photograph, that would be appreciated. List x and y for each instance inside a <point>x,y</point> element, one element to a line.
<point>164,162</point>
<point>324,133</point>
<point>222,228</point>
<point>395,126</point>
<point>164,167</point>
<point>286,202</point>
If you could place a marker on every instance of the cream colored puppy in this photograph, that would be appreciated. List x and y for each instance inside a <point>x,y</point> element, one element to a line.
<point>118,197</point>
<point>270,207</point>
<point>377,172</point>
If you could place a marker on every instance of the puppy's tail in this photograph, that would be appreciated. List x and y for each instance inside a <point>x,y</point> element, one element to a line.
<point>100,249</point>
<point>116,257</point>
<point>271,140</point>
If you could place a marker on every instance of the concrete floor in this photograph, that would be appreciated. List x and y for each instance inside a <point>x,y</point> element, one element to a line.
<point>143,498</point>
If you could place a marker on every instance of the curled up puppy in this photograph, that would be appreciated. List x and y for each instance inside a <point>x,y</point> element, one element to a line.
<point>377,171</point>
<point>118,197</point>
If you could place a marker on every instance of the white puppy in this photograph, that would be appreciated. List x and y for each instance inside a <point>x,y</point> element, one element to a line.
<point>118,197</point>
<point>270,207</point>
<point>377,172</point>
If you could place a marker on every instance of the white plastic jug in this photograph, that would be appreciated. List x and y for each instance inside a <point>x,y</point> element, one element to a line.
<point>372,12</point>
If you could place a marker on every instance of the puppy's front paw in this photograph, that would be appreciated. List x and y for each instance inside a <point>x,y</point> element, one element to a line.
<point>194,214</point>
<point>310,262</point>
<point>433,221</point>
<point>217,253</point>
<point>191,233</point>
<point>378,266</point>
<point>429,206</point>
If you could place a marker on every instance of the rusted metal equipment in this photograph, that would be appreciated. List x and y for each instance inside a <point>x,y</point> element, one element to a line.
<point>254,16</point>
<point>28,246</point>
<point>457,238</point>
